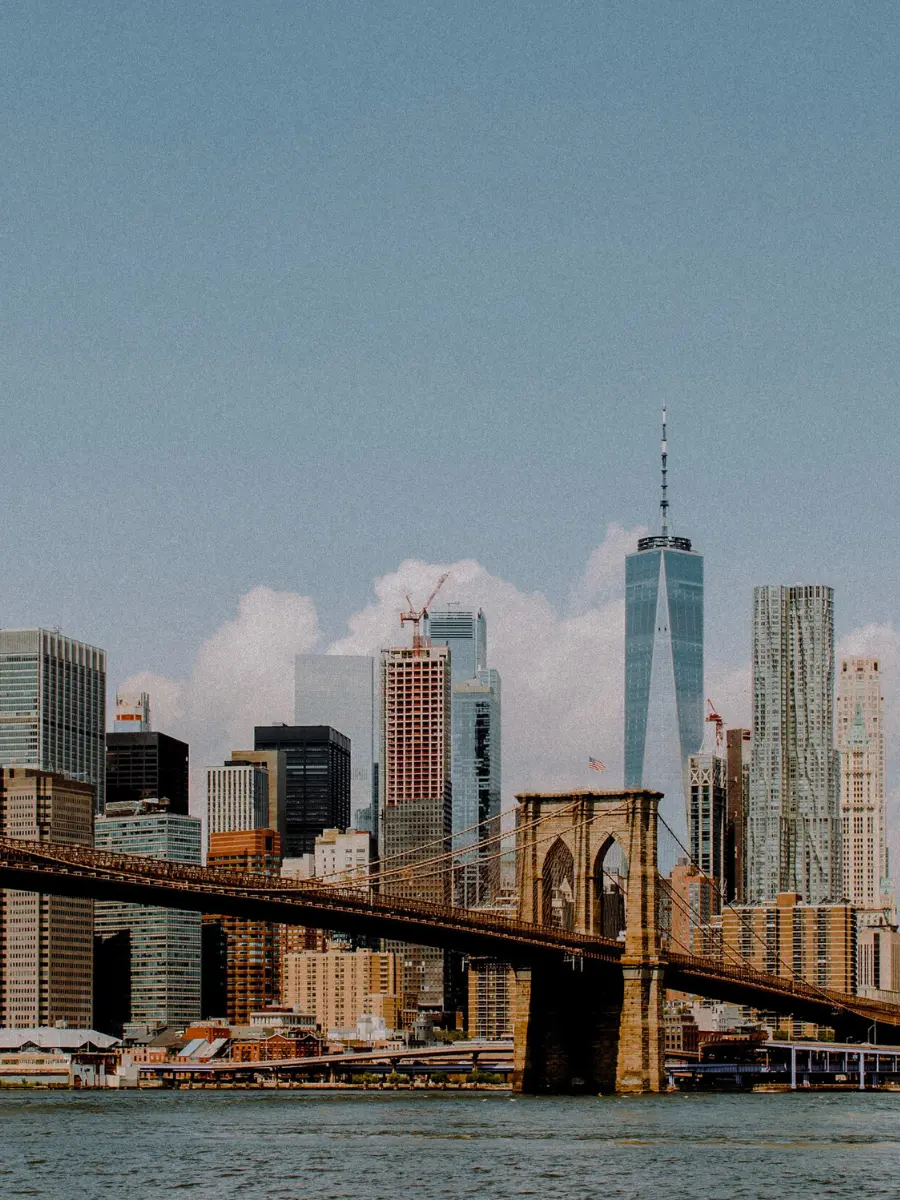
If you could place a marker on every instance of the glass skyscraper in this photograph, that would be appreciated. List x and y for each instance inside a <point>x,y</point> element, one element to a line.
<point>475,747</point>
<point>794,820</point>
<point>147,959</point>
<point>664,670</point>
<point>53,706</point>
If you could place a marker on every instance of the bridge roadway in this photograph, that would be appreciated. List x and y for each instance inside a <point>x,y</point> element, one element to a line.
<point>78,871</point>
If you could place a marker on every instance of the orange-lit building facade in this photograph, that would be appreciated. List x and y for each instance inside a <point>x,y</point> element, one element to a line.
<point>813,942</point>
<point>251,948</point>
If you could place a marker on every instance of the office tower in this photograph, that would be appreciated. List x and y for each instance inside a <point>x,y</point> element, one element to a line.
<point>416,799</point>
<point>53,706</point>
<point>794,826</point>
<point>465,633</point>
<point>132,712</point>
<point>245,951</point>
<point>46,942</point>
<point>706,815</point>
<point>274,762</point>
<point>147,766</point>
<point>237,797</point>
<point>663,668</point>
<point>147,968</point>
<point>738,744</point>
<point>859,717</point>
<point>475,750</point>
<point>317,788</point>
<point>339,690</point>
<point>339,984</point>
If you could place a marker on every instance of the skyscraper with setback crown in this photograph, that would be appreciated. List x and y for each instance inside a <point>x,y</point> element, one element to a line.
<point>663,667</point>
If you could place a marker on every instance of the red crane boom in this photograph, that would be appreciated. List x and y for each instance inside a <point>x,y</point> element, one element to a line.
<point>417,616</point>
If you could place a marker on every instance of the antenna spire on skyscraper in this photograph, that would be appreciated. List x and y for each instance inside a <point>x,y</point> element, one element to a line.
<point>664,499</point>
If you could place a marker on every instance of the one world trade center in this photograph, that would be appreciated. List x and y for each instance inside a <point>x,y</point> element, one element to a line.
<point>664,669</point>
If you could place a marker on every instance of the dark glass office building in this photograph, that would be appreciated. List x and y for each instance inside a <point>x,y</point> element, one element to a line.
<point>317,795</point>
<point>143,766</point>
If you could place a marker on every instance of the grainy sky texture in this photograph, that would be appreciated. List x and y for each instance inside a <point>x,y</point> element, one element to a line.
<point>302,301</point>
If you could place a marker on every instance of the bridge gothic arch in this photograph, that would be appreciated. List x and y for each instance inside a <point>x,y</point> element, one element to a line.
<point>558,887</point>
<point>609,884</point>
<point>570,846</point>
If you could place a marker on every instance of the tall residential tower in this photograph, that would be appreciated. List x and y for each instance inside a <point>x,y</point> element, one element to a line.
<point>663,668</point>
<point>793,823</point>
<point>859,720</point>
<point>416,793</point>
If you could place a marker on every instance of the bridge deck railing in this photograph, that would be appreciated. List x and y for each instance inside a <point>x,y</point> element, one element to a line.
<point>353,895</point>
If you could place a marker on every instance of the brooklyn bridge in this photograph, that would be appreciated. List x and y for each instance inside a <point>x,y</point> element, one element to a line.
<point>588,1007</point>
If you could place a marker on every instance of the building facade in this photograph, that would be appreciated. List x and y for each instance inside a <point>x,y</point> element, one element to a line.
<point>46,942</point>
<point>339,690</point>
<point>342,857</point>
<point>738,744</point>
<point>693,899</point>
<point>706,815</point>
<point>237,797</point>
<point>274,762</point>
<point>878,963</point>
<point>241,964</point>
<point>132,712</point>
<point>859,713</point>
<point>491,999</point>
<point>147,968</point>
<point>812,942</point>
<point>475,750</point>
<point>338,985</point>
<point>141,765</point>
<point>417,796</point>
<point>794,825</point>
<point>53,706</point>
<point>317,782</point>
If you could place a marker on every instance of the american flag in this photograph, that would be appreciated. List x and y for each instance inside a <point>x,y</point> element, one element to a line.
<point>596,765</point>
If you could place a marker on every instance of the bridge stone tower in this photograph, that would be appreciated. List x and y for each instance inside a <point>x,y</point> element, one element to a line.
<point>585,1026</point>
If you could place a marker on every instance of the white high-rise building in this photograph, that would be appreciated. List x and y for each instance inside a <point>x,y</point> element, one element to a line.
<point>343,856</point>
<point>859,708</point>
<point>339,690</point>
<point>794,822</point>
<point>237,797</point>
<point>53,706</point>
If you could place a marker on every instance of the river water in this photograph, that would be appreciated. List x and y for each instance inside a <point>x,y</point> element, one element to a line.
<point>305,1145</point>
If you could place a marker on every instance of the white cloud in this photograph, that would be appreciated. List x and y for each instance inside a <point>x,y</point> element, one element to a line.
<point>243,675</point>
<point>562,672</point>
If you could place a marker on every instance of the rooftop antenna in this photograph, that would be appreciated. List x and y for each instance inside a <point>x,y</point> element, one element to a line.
<point>664,499</point>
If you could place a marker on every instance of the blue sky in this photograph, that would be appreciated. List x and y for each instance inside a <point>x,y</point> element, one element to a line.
<point>293,293</point>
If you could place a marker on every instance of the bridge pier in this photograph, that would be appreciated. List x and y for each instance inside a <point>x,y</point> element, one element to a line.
<point>586,1026</point>
<point>566,1029</point>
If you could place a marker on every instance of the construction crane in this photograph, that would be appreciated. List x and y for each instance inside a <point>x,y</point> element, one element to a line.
<point>713,716</point>
<point>416,617</point>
